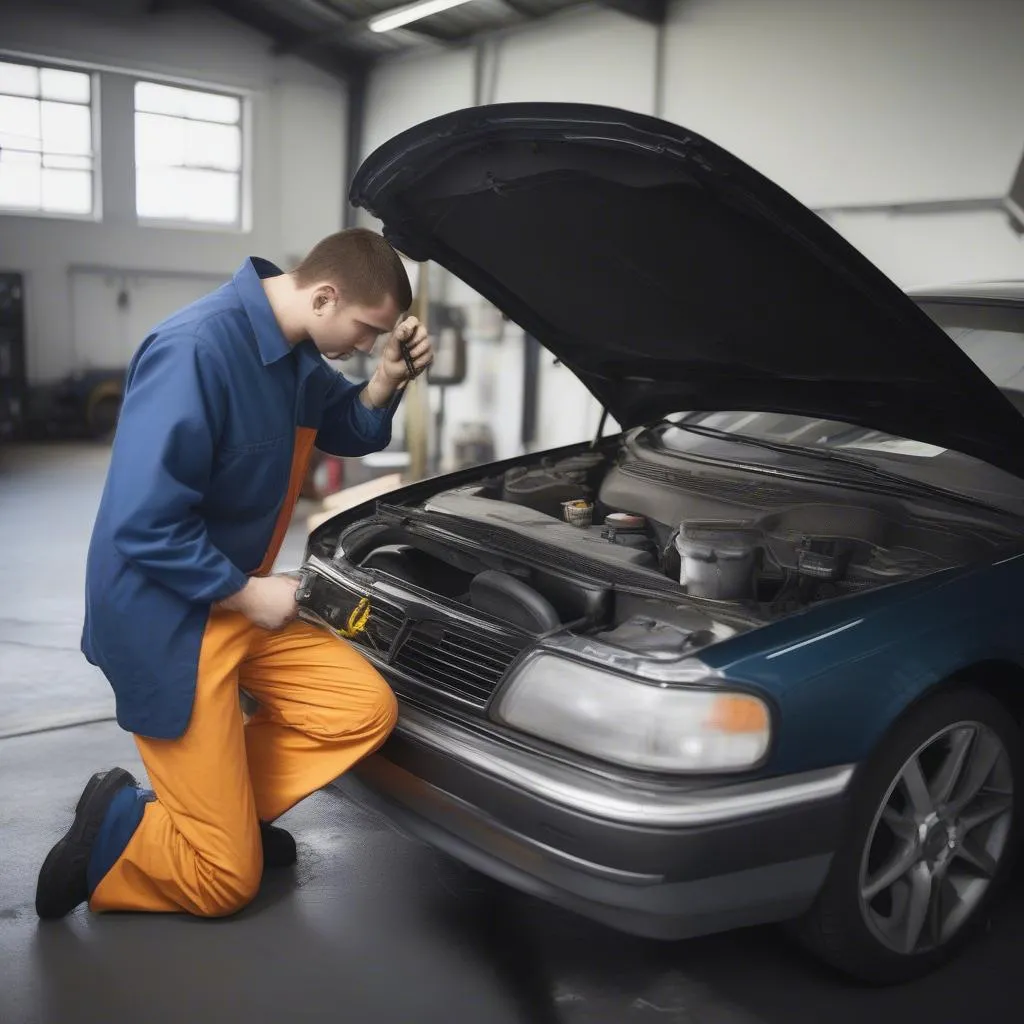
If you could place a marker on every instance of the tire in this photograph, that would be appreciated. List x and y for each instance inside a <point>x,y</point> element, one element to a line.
<point>868,936</point>
<point>103,418</point>
<point>101,409</point>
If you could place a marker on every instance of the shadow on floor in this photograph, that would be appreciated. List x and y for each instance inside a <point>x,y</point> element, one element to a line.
<point>753,976</point>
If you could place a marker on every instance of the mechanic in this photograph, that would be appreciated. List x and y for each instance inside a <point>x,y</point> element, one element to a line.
<point>223,404</point>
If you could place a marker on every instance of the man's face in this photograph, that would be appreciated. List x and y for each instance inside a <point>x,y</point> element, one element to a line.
<point>339,329</point>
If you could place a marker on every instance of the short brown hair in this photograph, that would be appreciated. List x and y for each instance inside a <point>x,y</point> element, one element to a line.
<point>361,265</point>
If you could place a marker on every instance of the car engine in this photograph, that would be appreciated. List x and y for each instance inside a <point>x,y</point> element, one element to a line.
<point>649,552</point>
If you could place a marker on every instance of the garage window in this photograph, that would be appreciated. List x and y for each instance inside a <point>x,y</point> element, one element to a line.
<point>46,140</point>
<point>188,156</point>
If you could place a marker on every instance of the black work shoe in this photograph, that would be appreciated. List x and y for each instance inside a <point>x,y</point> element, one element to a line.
<point>62,883</point>
<point>278,846</point>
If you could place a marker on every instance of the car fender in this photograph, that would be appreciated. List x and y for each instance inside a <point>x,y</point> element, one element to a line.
<point>839,677</point>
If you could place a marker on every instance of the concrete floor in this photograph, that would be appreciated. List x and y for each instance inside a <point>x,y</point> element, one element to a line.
<point>371,927</point>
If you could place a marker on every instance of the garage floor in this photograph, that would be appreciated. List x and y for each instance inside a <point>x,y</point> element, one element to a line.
<point>371,927</point>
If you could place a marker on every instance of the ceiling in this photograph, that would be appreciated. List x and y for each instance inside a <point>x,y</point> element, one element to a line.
<point>334,34</point>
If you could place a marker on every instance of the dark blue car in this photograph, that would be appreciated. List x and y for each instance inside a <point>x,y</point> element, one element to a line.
<point>759,656</point>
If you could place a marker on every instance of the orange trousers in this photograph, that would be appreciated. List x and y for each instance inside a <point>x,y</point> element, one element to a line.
<point>323,707</point>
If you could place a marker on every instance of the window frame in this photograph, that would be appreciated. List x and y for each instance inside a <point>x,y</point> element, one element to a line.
<point>94,106</point>
<point>243,223</point>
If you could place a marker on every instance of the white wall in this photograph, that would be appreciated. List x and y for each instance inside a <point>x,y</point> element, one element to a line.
<point>404,92</point>
<point>844,103</point>
<point>297,168</point>
<point>589,57</point>
<point>864,101</point>
<point>936,249</point>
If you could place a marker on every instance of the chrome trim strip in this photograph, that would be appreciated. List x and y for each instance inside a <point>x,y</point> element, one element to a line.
<point>1012,558</point>
<point>613,800</point>
<point>814,639</point>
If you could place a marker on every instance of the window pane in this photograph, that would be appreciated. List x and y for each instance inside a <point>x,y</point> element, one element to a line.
<point>159,99</point>
<point>70,86</point>
<point>203,106</point>
<point>211,196</point>
<point>67,129</point>
<point>157,194</point>
<point>46,145</point>
<point>19,79</point>
<point>188,154</point>
<point>213,145</point>
<point>207,106</point>
<point>181,193</point>
<point>159,141</point>
<point>19,123</point>
<point>20,186</point>
<point>67,191</point>
<point>13,156</point>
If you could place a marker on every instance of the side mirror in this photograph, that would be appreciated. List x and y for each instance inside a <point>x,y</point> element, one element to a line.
<point>447,326</point>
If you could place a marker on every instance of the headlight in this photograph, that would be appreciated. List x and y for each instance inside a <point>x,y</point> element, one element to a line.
<point>629,722</point>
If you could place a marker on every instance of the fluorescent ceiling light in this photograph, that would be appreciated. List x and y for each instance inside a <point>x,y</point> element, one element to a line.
<point>411,12</point>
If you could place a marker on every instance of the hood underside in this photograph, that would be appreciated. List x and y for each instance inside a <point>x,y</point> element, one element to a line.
<point>670,276</point>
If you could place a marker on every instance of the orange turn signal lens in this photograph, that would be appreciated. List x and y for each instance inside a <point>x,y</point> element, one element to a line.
<point>738,713</point>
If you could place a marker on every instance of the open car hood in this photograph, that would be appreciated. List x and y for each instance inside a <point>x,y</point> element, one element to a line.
<point>670,276</point>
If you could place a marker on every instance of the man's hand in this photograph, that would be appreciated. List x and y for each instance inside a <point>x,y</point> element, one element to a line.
<point>392,373</point>
<point>266,601</point>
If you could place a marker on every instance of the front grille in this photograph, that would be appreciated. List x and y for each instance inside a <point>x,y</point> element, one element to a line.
<point>383,626</point>
<point>455,659</point>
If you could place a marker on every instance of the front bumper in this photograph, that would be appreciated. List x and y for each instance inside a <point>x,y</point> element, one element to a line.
<point>659,860</point>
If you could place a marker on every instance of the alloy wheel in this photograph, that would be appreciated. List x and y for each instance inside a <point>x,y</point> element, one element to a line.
<point>937,839</point>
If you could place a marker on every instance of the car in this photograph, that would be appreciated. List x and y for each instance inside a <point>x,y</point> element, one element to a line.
<point>755,657</point>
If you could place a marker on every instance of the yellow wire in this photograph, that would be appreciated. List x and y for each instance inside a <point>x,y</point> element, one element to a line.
<point>357,620</point>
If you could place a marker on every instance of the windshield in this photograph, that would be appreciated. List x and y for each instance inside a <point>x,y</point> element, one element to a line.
<point>798,431</point>
<point>993,338</point>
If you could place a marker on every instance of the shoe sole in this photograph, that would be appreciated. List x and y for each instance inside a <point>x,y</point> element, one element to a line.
<point>86,825</point>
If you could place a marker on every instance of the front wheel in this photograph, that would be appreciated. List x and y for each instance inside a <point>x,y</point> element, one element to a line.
<point>934,826</point>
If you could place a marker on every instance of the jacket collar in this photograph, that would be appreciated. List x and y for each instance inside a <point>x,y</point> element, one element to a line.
<point>272,343</point>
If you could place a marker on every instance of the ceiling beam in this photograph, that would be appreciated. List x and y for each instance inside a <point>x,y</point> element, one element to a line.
<point>343,30</point>
<point>335,57</point>
<point>654,12</point>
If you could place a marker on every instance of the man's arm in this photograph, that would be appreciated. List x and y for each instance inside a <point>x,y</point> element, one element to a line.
<point>349,426</point>
<point>357,417</point>
<point>160,469</point>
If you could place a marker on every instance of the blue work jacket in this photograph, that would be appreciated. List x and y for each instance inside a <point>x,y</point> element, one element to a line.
<point>197,492</point>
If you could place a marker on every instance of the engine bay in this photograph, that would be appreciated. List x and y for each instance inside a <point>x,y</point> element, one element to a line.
<point>646,551</point>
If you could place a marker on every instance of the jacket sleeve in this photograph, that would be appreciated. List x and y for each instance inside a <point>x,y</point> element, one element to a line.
<point>161,462</point>
<point>348,428</point>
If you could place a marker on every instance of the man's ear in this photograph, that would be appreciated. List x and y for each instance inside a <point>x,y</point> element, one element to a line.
<point>324,297</point>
